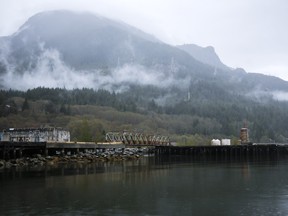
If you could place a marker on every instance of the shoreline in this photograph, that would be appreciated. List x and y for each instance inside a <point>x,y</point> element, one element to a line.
<point>82,158</point>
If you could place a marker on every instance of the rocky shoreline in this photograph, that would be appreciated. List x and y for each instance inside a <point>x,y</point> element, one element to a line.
<point>87,157</point>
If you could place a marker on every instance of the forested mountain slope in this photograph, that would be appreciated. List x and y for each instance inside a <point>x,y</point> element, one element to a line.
<point>100,111</point>
<point>61,59</point>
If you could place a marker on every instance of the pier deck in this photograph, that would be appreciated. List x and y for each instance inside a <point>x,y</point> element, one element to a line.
<point>225,151</point>
<point>18,149</point>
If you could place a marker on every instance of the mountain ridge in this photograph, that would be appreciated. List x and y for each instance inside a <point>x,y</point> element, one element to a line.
<point>68,47</point>
<point>205,55</point>
<point>60,64</point>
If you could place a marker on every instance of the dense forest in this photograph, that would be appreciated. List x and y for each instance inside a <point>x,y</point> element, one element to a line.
<point>89,114</point>
<point>153,87</point>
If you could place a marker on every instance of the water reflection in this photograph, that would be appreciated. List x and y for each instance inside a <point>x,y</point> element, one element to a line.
<point>150,186</point>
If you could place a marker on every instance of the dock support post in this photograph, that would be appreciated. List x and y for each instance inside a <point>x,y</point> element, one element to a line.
<point>14,153</point>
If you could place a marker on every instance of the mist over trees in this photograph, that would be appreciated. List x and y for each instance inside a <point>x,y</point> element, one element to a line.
<point>102,75</point>
<point>89,114</point>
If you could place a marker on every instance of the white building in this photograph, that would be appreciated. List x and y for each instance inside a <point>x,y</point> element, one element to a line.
<point>215,142</point>
<point>226,142</point>
<point>36,135</point>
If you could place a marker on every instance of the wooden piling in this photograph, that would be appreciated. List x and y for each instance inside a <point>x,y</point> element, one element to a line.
<point>226,152</point>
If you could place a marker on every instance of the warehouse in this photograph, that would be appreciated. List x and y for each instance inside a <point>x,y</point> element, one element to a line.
<point>36,135</point>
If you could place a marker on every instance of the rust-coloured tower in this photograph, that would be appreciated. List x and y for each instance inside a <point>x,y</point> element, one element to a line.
<point>244,135</point>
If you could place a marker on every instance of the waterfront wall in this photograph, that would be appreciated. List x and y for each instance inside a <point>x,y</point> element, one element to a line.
<point>233,151</point>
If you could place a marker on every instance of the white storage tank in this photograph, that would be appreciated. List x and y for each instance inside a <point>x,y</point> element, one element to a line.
<point>226,142</point>
<point>215,142</point>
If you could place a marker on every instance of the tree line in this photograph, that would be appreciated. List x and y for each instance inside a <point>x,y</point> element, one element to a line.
<point>197,117</point>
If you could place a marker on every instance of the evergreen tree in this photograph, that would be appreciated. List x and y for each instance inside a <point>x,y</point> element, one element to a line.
<point>25,105</point>
<point>85,134</point>
<point>63,109</point>
<point>68,110</point>
<point>50,107</point>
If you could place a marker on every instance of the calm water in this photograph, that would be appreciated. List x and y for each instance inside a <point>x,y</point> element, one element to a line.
<point>150,186</point>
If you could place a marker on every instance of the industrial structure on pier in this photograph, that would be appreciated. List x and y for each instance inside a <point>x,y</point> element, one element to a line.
<point>132,138</point>
<point>244,135</point>
<point>35,135</point>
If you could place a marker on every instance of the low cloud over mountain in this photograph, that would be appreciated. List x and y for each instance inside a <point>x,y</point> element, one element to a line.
<point>75,50</point>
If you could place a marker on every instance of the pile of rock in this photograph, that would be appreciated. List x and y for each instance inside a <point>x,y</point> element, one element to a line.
<point>87,157</point>
<point>25,161</point>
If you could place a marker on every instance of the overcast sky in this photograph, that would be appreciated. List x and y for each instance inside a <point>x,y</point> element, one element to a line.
<point>251,34</point>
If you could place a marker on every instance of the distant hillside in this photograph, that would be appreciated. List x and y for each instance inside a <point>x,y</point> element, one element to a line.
<point>86,41</point>
<point>75,50</point>
<point>205,55</point>
<point>198,119</point>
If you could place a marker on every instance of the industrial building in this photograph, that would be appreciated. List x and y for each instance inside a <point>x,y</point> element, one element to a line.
<point>35,135</point>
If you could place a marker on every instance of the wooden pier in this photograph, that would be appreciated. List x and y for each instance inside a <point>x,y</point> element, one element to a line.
<point>229,151</point>
<point>9,150</point>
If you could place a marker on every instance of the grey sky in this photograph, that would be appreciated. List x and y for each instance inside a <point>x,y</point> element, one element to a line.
<point>251,34</point>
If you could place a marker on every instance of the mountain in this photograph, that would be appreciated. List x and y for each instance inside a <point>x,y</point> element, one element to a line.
<point>86,41</point>
<point>205,55</point>
<point>58,44</point>
<point>88,60</point>
<point>75,50</point>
